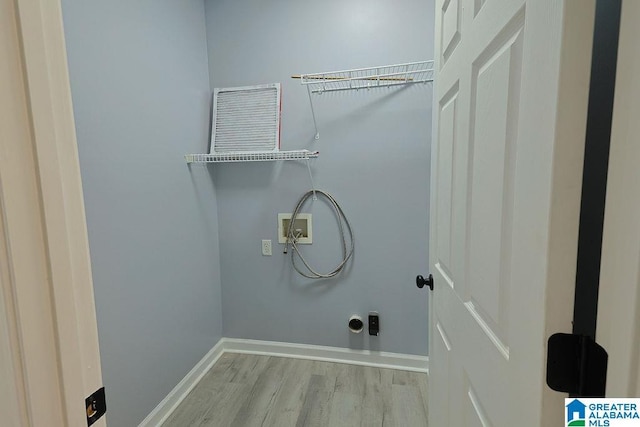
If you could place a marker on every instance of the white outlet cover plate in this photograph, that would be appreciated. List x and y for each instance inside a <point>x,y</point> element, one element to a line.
<point>282,233</point>
<point>266,247</point>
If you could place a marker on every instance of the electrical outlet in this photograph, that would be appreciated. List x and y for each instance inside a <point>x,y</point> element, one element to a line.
<point>266,247</point>
<point>374,323</point>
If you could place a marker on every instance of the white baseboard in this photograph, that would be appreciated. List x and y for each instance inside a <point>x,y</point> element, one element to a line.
<point>179,392</point>
<point>378,359</point>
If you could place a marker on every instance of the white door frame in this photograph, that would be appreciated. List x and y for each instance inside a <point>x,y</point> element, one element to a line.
<point>45,270</point>
<point>618,327</point>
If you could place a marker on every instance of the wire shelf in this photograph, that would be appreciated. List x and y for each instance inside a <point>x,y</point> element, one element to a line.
<point>251,156</point>
<point>367,78</point>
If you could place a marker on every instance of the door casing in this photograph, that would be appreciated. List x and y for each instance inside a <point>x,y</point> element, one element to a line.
<point>618,321</point>
<point>49,311</point>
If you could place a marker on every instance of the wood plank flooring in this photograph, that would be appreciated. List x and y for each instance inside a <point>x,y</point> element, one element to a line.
<point>247,390</point>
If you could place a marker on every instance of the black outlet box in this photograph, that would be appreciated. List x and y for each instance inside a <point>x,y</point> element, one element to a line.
<point>374,324</point>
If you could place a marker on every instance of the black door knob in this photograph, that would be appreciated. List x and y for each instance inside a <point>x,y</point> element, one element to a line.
<point>421,281</point>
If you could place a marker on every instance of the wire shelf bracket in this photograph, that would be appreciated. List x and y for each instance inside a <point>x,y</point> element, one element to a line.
<point>251,156</point>
<point>313,186</point>
<point>365,78</point>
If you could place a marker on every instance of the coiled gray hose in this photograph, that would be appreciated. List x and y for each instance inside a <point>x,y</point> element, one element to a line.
<point>292,238</point>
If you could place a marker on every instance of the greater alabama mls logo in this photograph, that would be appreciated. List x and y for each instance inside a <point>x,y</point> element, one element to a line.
<point>609,412</point>
<point>576,413</point>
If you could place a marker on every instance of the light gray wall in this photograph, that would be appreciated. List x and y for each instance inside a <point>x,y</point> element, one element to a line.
<point>141,96</point>
<point>374,158</point>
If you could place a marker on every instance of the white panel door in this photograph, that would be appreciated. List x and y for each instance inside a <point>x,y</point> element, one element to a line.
<point>497,201</point>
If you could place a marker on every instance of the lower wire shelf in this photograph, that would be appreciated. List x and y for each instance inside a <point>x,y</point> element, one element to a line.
<point>251,156</point>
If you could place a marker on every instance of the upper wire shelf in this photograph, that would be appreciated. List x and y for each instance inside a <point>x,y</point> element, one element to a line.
<point>367,78</point>
<point>251,156</point>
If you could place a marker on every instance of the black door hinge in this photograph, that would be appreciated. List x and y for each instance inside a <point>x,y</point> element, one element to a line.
<point>96,406</point>
<point>577,365</point>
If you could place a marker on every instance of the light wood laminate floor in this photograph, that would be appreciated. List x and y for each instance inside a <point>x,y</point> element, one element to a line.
<point>247,390</point>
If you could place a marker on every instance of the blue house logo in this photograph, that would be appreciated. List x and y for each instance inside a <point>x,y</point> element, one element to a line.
<point>576,413</point>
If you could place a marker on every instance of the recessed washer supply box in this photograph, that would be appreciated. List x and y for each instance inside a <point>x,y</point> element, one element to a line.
<point>302,223</point>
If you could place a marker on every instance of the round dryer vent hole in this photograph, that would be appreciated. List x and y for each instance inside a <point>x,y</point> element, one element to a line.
<point>355,324</point>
